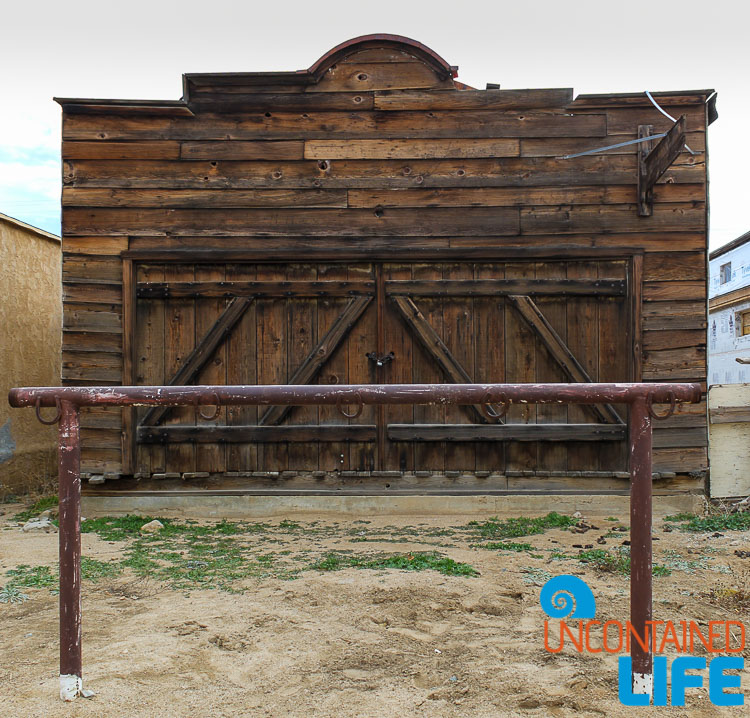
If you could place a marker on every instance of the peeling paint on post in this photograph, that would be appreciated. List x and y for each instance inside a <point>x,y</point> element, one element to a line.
<point>640,543</point>
<point>70,551</point>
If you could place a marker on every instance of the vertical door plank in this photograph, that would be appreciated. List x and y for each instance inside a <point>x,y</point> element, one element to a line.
<point>333,455</point>
<point>149,360</point>
<point>429,455</point>
<point>399,455</point>
<point>272,357</point>
<point>458,335</point>
<point>552,455</point>
<point>614,355</point>
<point>242,368</point>
<point>211,457</point>
<point>363,339</point>
<point>489,359</point>
<point>303,336</point>
<point>520,368</point>
<point>583,342</point>
<point>179,340</point>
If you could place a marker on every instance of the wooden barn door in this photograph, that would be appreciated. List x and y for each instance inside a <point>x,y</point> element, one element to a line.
<point>514,323</point>
<point>255,324</point>
<point>381,323</point>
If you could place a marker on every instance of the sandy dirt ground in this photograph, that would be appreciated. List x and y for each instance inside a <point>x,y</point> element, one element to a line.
<point>354,642</point>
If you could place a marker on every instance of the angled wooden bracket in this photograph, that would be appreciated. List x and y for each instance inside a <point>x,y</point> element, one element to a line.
<point>319,355</point>
<point>653,163</point>
<point>559,351</point>
<point>199,357</point>
<point>436,348</point>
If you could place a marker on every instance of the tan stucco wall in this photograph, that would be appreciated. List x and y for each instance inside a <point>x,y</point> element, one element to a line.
<point>30,350</point>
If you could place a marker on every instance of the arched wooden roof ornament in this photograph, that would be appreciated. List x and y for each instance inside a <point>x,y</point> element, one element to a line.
<point>383,40</point>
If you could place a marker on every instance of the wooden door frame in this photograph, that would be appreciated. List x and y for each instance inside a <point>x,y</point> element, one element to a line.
<point>131,259</point>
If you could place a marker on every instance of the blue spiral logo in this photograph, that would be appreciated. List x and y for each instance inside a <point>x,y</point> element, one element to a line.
<point>567,596</point>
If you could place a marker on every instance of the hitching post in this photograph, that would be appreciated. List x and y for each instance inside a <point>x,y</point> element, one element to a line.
<point>640,543</point>
<point>71,683</point>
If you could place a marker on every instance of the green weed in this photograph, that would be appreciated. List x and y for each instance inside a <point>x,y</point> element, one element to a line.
<point>422,561</point>
<point>520,526</point>
<point>715,522</point>
<point>617,561</point>
<point>46,502</point>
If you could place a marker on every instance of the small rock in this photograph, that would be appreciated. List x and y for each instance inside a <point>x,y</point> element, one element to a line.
<point>742,554</point>
<point>152,527</point>
<point>577,515</point>
<point>39,525</point>
<point>529,702</point>
<point>601,539</point>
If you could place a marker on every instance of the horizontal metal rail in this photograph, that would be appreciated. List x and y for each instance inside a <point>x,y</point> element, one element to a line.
<point>497,398</point>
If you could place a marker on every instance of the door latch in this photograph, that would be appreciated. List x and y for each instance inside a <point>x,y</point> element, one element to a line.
<point>380,360</point>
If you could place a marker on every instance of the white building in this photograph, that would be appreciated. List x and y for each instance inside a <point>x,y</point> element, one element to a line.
<point>729,313</point>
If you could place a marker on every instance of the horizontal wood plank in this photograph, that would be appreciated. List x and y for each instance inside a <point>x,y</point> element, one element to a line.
<point>504,287</point>
<point>729,414</point>
<point>506,432</point>
<point>674,266</point>
<point>512,196</point>
<point>162,290</point>
<point>203,198</point>
<point>389,149</point>
<point>260,434</point>
<point>227,150</point>
<point>376,174</point>
<point>472,99</point>
<point>612,218</point>
<point>467,124</point>
<point>674,290</point>
<point>155,150</point>
<point>276,222</point>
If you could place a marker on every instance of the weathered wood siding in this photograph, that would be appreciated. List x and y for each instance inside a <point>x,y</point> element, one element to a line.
<point>380,168</point>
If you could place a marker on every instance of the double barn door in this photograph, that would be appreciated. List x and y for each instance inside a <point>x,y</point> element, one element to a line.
<point>390,322</point>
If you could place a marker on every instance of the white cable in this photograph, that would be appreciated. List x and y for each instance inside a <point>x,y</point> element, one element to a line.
<point>667,115</point>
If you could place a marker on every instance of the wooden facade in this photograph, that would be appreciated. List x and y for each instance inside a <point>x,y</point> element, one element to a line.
<point>373,220</point>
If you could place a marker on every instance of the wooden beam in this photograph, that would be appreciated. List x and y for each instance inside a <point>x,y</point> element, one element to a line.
<point>320,354</point>
<point>162,290</point>
<point>434,345</point>
<point>653,165</point>
<point>504,287</point>
<point>203,351</point>
<point>255,434</point>
<point>506,432</point>
<point>559,351</point>
<point>729,414</point>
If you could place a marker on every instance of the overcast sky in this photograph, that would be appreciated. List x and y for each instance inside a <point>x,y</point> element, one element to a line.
<point>90,49</point>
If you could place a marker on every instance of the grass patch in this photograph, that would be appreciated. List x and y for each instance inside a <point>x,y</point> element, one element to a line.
<point>520,526</point>
<point>46,502</point>
<point>617,561</point>
<point>32,576</point>
<point>715,522</point>
<point>422,561</point>
<point>503,546</point>
<point>93,570</point>
<point>12,594</point>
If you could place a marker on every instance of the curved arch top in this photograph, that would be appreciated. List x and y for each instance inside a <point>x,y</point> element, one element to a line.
<point>399,42</point>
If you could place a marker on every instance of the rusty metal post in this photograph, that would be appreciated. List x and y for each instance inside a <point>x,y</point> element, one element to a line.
<point>71,684</point>
<point>640,545</point>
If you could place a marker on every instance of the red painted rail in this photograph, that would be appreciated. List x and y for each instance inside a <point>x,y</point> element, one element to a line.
<point>68,400</point>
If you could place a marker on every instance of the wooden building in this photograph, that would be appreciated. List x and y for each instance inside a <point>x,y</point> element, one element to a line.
<point>373,220</point>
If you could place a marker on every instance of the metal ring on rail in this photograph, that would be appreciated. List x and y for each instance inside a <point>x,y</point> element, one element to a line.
<point>217,409</point>
<point>667,413</point>
<point>360,406</point>
<point>490,413</point>
<point>57,416</point>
